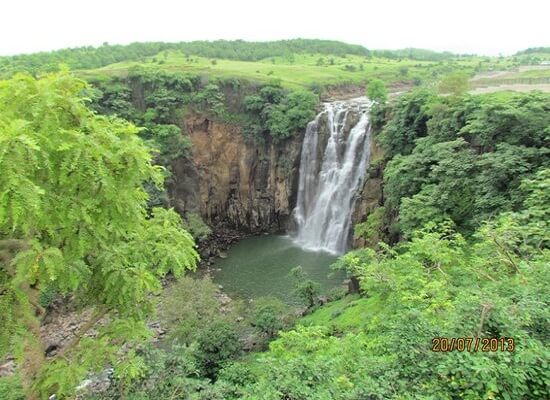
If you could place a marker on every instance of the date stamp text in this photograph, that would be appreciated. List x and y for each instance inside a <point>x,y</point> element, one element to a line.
<point>472,344</point>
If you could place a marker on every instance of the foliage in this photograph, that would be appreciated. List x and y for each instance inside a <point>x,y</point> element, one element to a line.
<point>377,91</point>
<point>461,158</point>
<point>194,224</point>
<point>297,64</point>
<point>306,289</point>
<point>210,98</point>
<point>302,70</point>
<point>217,344</point>
<point>152,100</point>
<point>170,374</point>
<point>408,120</point>
<point>229,385</point>
<point>379,344</point>
<point>73,214</point>
<point>270,315</point>
<point>11,389</point>
<point>188,306</point>
<point>466,189</point>
<point>292,114</point>
<point>47,296</point>
<point>156,100</point>
<point>414,54</point>
<point>192,313</point>
<point>436,285</point>
<point>309,363</point>
<point>203,337</point>
<point>370,230</point>
<point>90,57</point>
<point>530,50</point>
<point>171,142</point>
<point>378,116</point>
<point>456,84</point>
<point>280,114</point>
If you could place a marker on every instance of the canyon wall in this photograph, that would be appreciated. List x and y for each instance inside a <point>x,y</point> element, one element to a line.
<point>233,181</point>
<point>248,186</point>
<point>371,194</point>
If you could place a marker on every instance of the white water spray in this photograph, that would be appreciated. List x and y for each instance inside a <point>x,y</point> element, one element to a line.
<point>328,184</point>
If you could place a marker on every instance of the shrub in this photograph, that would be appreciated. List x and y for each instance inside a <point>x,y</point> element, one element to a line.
<point>377,91</point>
<point>186,306</point>
<point>273,112</point>
<point>11,389</point>
<point>194,224</point>
<point>216,344</point>
<point>270,315</point>
<point>305,289</point>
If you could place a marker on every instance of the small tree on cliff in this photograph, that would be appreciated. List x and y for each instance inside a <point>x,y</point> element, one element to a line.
<point>377,91</point>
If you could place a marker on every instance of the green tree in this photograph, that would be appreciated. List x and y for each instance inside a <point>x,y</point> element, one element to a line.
<point>292,114</point>
<point>269,316</point>
<point>217,344</point>
<point>370,229</point>
<point>280,114</point>
<point>460,158</point>
<point>377,91</point>
<point>73,215</point>
<point>306,289</point>
<point>455,83</point>
<point>409,117</point>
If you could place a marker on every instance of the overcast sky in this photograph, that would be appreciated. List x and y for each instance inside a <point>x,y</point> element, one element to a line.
<point>463,26</point>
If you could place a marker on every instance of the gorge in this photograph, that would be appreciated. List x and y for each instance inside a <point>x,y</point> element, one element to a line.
<point>334,157</point>
<point>263,187</point>
<point>156,200</point>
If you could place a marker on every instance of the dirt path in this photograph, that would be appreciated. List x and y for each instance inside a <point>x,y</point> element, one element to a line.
<point>545,87</point>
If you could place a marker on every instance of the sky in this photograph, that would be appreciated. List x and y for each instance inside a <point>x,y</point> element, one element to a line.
<point>462,26</point>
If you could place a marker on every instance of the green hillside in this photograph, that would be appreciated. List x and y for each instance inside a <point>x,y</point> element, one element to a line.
<point>295,63</point>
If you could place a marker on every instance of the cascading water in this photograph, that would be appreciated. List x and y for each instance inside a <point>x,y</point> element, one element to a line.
<point>327,185</point>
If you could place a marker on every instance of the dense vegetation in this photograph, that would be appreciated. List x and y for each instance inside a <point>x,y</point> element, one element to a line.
<point>461,158</point>
<point>272,112</point>
<point>466,185</point>
<point>74,219</point>
<point>379,344</point>
<point>90,57</point>
<point>437,284</point>
<point>157,101</point>
<point>297,63</point>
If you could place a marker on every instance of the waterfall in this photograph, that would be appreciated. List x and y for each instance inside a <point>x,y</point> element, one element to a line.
<point>329,180</point>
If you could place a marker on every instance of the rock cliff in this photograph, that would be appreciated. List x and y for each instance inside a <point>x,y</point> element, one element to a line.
<point>248,186</point>
<point>233,181</point>
<point>371,194</point>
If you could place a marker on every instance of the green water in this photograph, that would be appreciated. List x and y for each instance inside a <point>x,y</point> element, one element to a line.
<point>259,266</point>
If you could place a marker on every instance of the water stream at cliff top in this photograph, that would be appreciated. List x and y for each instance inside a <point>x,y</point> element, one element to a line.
<point>330,179</point>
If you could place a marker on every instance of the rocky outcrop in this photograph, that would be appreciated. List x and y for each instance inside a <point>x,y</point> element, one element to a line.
<point>371,194</point>
<point>249,187</point>
<point>233,181</point>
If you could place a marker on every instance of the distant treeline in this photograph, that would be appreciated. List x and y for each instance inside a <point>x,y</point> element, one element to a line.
<point>534,50</point>
<point>92,57</point>
<point>96,57</point>
<point>416,54</point>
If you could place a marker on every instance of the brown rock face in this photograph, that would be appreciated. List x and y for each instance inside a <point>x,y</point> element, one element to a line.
<point>229,180</point>
<point>371,194</point>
